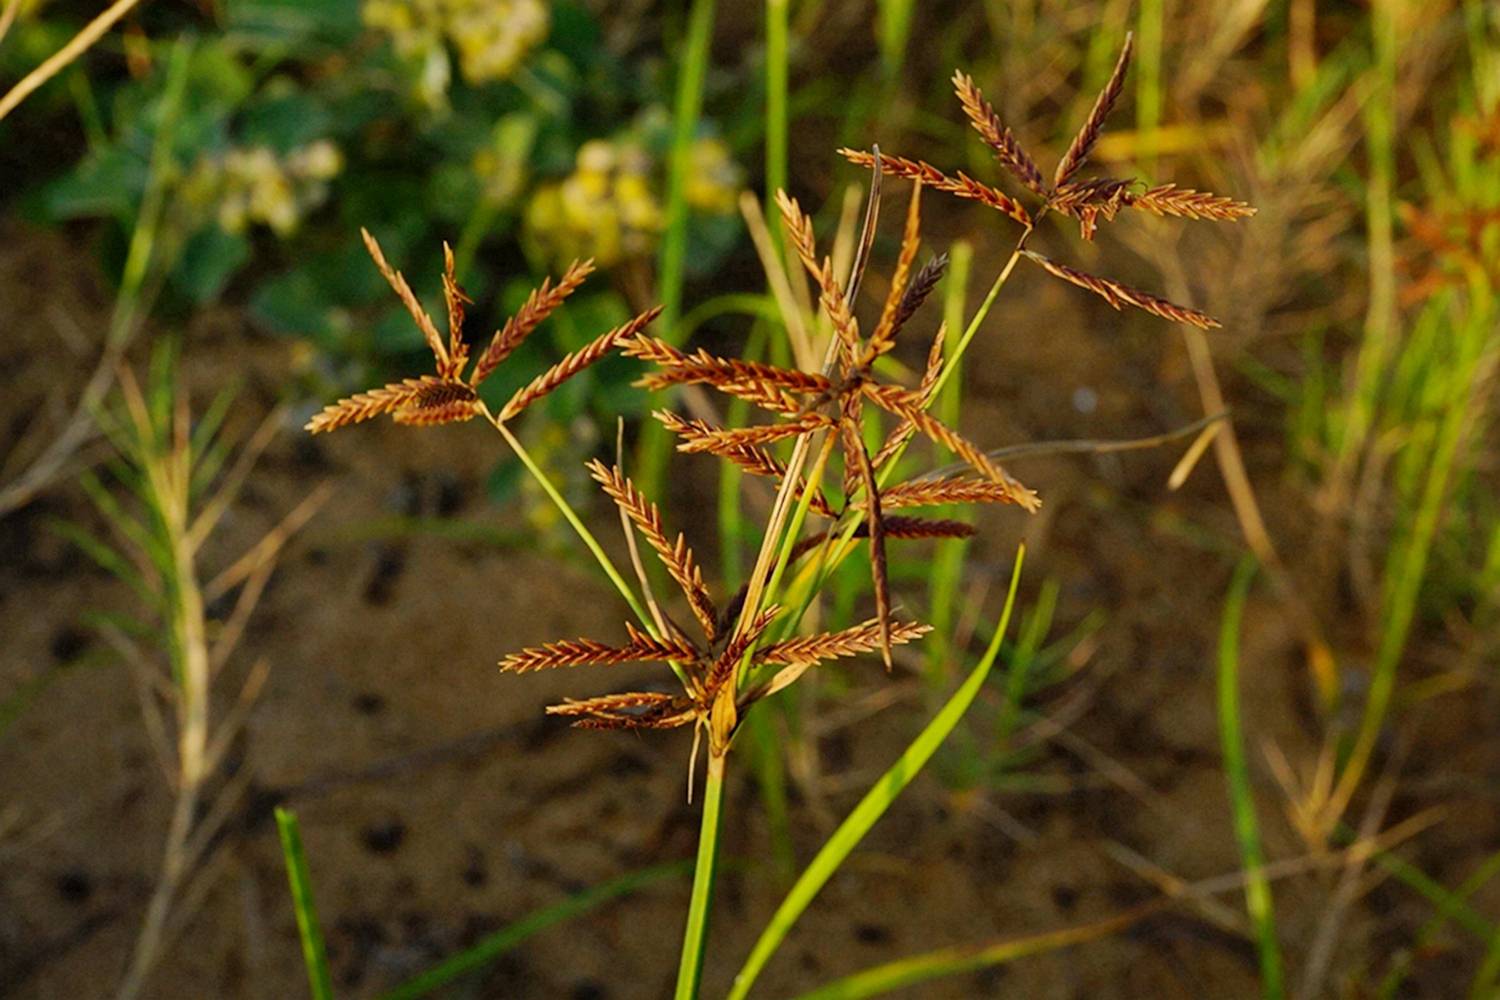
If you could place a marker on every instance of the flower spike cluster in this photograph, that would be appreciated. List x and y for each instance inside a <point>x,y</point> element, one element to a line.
<point>710,699</point>
<point>1089,201</point>
<point>448,397</point>
<point>836,401</point>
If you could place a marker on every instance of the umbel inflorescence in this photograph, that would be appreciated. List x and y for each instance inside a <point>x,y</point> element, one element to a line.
<point>1088,201</point>
<point>748,649</point>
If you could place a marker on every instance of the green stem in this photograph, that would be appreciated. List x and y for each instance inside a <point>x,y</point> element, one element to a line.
<point>655,442</point>
<point>573,519</point>
<point>695,936</point>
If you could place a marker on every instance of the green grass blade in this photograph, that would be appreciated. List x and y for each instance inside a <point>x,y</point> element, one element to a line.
<point>954,961</point>
<point>511,935</point>
<point>655,443</point>
<point>873,805</point>
<point>1237,772</point>
<point>705,870</point>
<point>313,951</point>
<point>895,28</point>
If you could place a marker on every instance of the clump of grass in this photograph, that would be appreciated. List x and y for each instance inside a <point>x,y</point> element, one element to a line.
<point>748,648</point>
<point>171,484</point>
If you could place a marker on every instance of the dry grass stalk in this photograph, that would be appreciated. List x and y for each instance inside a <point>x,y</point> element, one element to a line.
<point>1118,295</point>
<point>1185,203</point>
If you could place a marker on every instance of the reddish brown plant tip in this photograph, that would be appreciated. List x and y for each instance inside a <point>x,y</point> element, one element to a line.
<point>408,299</point>
<point>1119,295</point>
<point>425,400</point>
<point>576,362</point>
<point>948,489</point>
<point>996,135</point>
<point>588,652</point>
<point>537,307</point>
<point>1093,126</point>
<point>1185,203</point>
<point>884,336</point>
<point>862,638</point>
<point>963,186</point>
<point>456,299</point>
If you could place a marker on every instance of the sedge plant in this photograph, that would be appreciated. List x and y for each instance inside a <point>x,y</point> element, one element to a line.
<point>832,431</point>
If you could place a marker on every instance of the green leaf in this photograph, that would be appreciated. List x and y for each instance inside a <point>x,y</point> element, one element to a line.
<point>209,259</point>
<point>503,940</point>
<point>876,801</point>
<point>314,952</point>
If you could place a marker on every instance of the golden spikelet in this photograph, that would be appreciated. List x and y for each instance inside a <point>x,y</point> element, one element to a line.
<point>862,638</point>
<point>444,401</point>
<point>900,526</point>
<point>1093,126</point>
<point>902,433</point>
<point>537,307</point>
<point>427,399</point>
<point>919,289</point>
<point>884,336</point>
<point>735,649</point>
<point>454,297</point>
<point>588,652</point>
<point>1185,203</point>
<point>996,135</point>
<point>949,489</point>
<point>408,299</point>
<point>956,443</point>
<point>963,185</point>
<point>718,440</point>
<point>799,230</point>
<point>576,362</point>
<point>1119,295</point>
<point>628,710</point>
<point>1088,200</point>
<point>676,556</point>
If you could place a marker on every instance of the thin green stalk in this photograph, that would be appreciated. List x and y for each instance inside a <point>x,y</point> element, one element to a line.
<point>777,123</point>
<point>314,953</point>
<point>1148,99</point>
<point>655,442</point>
<point>948,556</point>
<point>508,937</point>
<point>873,805</point>
<point>705,869</point>
<point>572,518</point>
<point>951,364</point>
<point>960,959</point>
<point>895,28</point>
<point>1237,773</point>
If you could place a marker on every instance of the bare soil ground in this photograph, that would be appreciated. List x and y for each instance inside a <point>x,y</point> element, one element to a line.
<point>438,804</point>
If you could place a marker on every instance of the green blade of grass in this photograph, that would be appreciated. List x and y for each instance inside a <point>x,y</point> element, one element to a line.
<point>1237,773</point>
<point>953,961</point>
<point>314,954</point>
<point>655,443</point>
<point>511,935</point>
<point>873,805</point>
